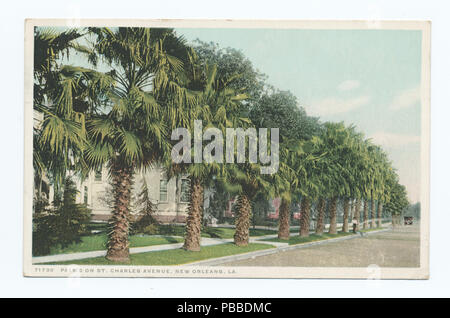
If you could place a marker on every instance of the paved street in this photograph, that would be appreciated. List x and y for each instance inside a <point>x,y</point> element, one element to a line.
<point>396,248</point>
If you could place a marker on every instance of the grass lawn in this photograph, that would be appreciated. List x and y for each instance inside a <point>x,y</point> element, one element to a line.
<point>170,234</point>
<point>225,232</point>
<point>98,242</point>
<point>311,238</point>
<point>211,232</point>
<point>174,257</point>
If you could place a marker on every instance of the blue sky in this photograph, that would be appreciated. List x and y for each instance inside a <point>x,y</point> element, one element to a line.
<point>370,78</point>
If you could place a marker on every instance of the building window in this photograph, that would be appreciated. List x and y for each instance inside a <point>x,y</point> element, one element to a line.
<point>185,190</point>
<point>98,175</point>
<point>85,197</point>
<point>163,190</point>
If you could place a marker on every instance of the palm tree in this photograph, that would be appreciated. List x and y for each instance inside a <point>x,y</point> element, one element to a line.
<point>246,181</point>
<point>280,109</point>
<point>384,169</point>
<point>337,144</point>
<point>305,209</point>
<point>219,107</point>
<point>366,180</point>
<point>398,201</point>
<point>321,205</point>
<point>345,216</point>
<point>286,184</point>
<point>357,212</point>
<point>62,95</point>
<point>310,167</point>
<point>350,173</point>
<point>379,214</point>
<point>366,214</point>
<point>130,132</point>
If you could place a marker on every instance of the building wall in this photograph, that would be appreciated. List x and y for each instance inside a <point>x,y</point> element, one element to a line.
<point>96,192</point>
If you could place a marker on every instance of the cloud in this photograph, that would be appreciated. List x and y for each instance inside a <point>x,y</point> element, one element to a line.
<point>335,105</point>
<point>348,85</point>
<point>393,140</point>
<point>406,98</point>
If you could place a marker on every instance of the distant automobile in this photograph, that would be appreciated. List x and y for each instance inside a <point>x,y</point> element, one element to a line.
<point>408,220</point>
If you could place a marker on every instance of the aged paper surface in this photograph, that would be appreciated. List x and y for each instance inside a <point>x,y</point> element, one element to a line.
<point>93,85</point>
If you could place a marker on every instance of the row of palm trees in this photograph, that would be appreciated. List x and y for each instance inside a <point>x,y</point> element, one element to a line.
<point>153,82</point>
<point>338,165</point>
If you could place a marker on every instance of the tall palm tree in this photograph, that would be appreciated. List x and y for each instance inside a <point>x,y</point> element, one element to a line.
<point>218,106</point>
<point>280,109</point>
<point>246,181</point>
<point>357,212</point>
<point>286,183</point>
<point>310,167</point>
<point>350,172</point>
<point>346,214</point>
<point>337,145</point>
<point>321,205</point>
<point>384,170</point>
<point>62,95</point>
<point>305,210</point>
<point>131,132</point>
<point>398,201</point>
<point>365,214</point>
<point>379,213</point>
<point>366,165</point>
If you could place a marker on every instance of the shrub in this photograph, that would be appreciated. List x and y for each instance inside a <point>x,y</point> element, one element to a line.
<point>145,220</point>
<point>151,229</point>
<point>63,224</point>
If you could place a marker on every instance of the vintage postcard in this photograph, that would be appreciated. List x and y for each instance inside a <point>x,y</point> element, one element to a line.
<point>227,149</point>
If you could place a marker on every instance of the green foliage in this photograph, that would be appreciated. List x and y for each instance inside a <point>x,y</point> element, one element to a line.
<point>151,229</point>
<point>63,224</point>
<point>145,208</point>
<point>63,96</point>
<point>280,109</point>
<point>234,67</point>
<point>260,207</point>
<point>218,201</point>
<point>398,200</point>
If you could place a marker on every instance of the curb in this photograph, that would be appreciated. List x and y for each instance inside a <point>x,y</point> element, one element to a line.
<point>238,257</point>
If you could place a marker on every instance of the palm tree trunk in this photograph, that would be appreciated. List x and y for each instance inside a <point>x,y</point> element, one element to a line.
<point>352,208</point>
<point>241,236</point>
<point>366,214</point>
<point>122,180</point>
<point>396,220</point>
<point>320,216</point>
<point>379,213</point>
<point>357,212</point>
<point>304,218</point>
<point>346,211</point>
<point>283,228</point>
<point>194,219</point>
<point>333,216</point>
<point>373,214</point>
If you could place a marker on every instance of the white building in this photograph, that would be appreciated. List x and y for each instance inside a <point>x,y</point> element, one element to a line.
<point>171,196</point>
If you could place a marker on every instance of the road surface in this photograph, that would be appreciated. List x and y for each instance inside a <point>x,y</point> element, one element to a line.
<point>395,248</point>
